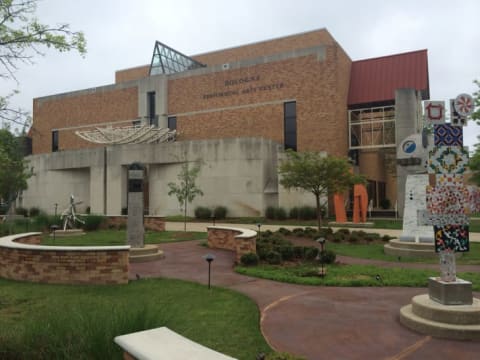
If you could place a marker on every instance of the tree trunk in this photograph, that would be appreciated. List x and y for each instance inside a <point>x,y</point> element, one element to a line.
<point>185,217</point>
<point>319,214</point>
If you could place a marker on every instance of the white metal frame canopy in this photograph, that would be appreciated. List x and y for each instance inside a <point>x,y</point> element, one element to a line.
<point>135,134</point>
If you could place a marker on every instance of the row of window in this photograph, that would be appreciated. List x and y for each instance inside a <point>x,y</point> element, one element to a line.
<point>289,113</point>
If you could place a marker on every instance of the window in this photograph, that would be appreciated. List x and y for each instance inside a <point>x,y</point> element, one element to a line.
<point>153,119</point>
<point>172,122</point>
<point>54,140</point>
<point>290,125</point>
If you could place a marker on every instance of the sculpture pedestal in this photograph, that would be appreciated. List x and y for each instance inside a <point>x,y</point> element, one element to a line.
<point>457,292</point>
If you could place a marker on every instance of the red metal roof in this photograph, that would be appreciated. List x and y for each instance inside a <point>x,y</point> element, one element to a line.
<point>375,80</point>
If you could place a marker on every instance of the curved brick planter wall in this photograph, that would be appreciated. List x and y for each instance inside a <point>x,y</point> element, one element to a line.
<point>242,241</point>
<point>21,258</point>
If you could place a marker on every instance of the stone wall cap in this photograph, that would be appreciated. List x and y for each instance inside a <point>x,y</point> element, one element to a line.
<point>244,233</point>
<point>163,343</point>
<point>9,242</point>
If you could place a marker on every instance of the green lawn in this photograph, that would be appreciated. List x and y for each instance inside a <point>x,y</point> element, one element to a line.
<point>375,251</point>
<point>79,322</point>
<point>349,275</point>
<point>118,237</point>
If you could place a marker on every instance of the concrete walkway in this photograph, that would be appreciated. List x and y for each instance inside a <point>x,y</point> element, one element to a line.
<point>315,322</point>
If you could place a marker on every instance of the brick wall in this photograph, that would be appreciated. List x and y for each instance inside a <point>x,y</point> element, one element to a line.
<point>255,108</point>
<point>63,266</point>
<point>135,73</point>
<point>267,47</point>
<point>229,239</point>
<point>77,110</point>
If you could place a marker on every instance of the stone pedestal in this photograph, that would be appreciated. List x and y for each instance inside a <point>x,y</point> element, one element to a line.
<point>457,292</point>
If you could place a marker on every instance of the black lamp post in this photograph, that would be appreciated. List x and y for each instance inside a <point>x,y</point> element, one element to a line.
<point>321,241</point>
<point>54,228</point>
<point>209,258</point>
<point>259,225</point>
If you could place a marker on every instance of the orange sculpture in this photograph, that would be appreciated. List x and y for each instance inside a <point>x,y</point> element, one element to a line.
<point>360,205</point>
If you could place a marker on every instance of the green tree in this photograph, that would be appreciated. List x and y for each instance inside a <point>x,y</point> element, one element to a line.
<point>320,175</point>
<point>186,190</point>
<point>13,168</point>
<point>22,37</point>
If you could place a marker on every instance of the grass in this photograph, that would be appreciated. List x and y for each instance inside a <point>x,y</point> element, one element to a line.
<point>349,275</point>
<point>40,321</point>
<point>375,252</point>
<point>118,237</point>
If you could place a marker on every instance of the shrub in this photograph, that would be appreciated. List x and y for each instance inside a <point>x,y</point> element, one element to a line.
<point>280,213</point>
<point>293,213</point>
<point>43,221</point>
<point>298,252</point>
<point>124,211</point>
<point>286,251</point>
<point>270,213</point>
<point>307,213</point>
<point>298,232</point>
<point>202,212</point>
<point>34,211</point>
<point>354,237</point>
<point>274,257</point>
<point>385,204</point>
<point>21,211</point>
<point>311,253</point>
<point>88,210</point>
<point>249,259</point>
<point>387,238</point>
<point>343,231</point>
<point>220,212</point>
<point>338,237</point>
<point>284,231</point>
<point>328,256</point>
<point>93,222</point>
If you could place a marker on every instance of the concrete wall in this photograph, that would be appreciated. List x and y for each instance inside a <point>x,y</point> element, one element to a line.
<point>240,174</point>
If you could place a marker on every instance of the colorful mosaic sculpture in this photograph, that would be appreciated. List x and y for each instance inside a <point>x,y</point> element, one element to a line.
<point>448,135</point>
<point>451,237</point>
<point>447,160</point>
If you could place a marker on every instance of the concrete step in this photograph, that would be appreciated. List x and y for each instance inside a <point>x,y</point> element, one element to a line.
<point>146,257</point>
<point>426,308</point>
<point>438,329</point>
<point>147,249</point>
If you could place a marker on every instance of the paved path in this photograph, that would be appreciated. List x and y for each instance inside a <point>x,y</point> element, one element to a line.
<point>315,322</point>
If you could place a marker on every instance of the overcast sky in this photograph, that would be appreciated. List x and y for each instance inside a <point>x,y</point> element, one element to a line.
<point>121,34</point>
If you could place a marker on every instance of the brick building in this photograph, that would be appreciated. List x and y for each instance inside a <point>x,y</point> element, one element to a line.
<point>301,91</point>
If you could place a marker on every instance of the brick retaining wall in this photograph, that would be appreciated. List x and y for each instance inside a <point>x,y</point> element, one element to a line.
<point>242,241</point>
<point>21,259</point>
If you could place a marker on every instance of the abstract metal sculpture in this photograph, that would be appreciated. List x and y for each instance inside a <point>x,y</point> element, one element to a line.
<point>136,134</point>
<point>69,216</point>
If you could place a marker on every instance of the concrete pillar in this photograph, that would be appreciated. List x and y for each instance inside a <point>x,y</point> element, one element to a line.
<point>159,84</point>
<point>406,111</point>
<point>97,191</point>
<point>114,189</point>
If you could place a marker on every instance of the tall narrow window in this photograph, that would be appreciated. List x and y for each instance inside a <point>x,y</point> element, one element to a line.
<point>54,140</point>
<point>172,122</point>
<point>290,125</point>
<point>153,119</point>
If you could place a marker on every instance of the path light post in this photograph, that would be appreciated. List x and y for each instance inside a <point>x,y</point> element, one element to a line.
<point>259,225</point>
<point>54,228</point>
<point>321,241</point>
<point>209,258</point>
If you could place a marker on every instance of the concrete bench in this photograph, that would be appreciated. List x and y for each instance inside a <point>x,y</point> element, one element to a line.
<point>164,344</point>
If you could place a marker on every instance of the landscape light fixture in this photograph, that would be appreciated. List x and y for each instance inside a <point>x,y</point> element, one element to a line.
<point>209,258</point>
<point>321,241</point>
<point>54,228</point>
<point>259,225</point>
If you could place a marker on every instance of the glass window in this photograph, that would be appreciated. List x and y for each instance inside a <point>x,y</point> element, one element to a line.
<point>151,107</point>
<point>290,125</point>
<point>172,122</point>
<point>54,140</point>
